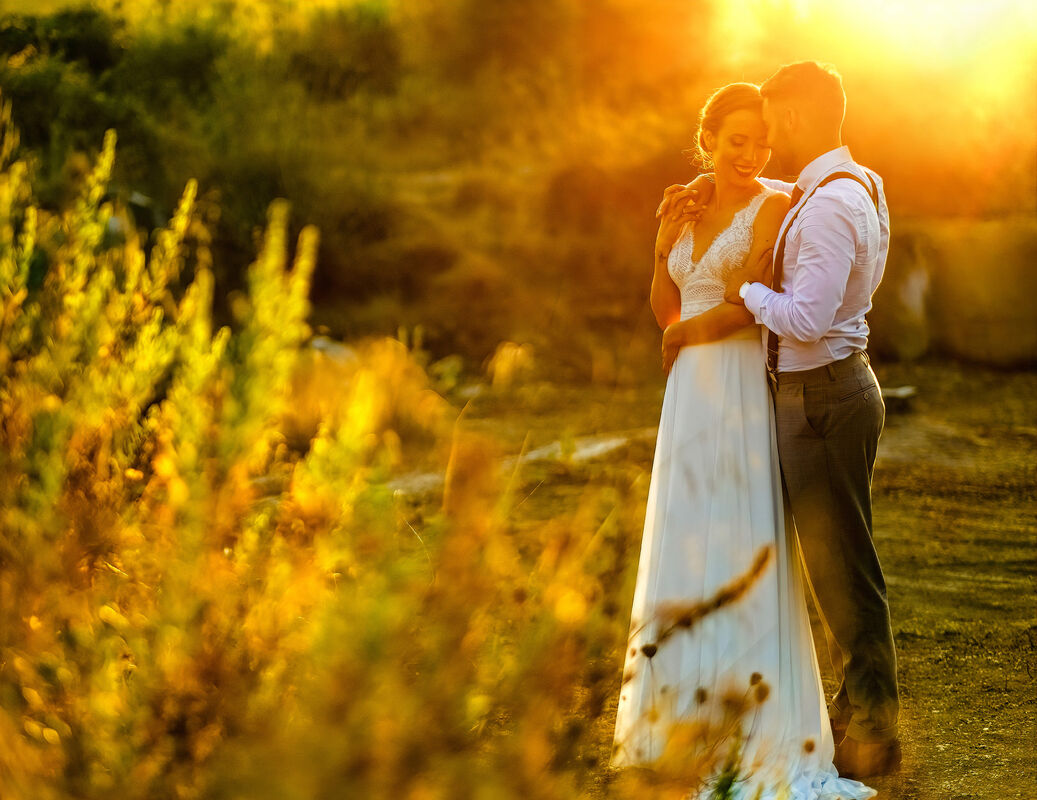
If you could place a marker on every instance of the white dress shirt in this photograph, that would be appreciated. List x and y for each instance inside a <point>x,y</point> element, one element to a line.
<point>835,254</point>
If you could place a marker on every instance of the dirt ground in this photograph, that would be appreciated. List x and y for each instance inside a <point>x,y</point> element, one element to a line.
<point>956,531</point>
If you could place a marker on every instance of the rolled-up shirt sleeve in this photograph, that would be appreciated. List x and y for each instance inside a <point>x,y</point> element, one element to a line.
<point>827,249</point>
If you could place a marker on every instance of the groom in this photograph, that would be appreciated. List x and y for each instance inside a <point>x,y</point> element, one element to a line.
<point>829,412</point>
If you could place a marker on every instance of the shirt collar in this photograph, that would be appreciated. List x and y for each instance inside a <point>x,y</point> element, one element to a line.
<point>823,164</point>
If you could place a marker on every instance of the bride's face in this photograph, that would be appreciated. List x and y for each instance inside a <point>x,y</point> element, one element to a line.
<point>740,149</point>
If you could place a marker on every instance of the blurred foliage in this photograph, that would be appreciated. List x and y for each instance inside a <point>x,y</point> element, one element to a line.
<point>428,142</point>
<point>347,50</point>
<point>203,572</point>
<point>486,170</point>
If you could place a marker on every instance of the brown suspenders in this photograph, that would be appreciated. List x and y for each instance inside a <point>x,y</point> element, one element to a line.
<point>779,257</point>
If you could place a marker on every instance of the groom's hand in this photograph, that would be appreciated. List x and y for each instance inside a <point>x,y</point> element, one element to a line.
<point>759,271</point>
<point>731,291</point>
<point>734,283</point>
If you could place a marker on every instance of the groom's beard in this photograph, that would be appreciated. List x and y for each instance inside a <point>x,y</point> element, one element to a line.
<point>786,163</point>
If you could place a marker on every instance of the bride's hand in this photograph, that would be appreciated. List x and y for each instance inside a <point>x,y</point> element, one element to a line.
<point>673,341</point>
<point>675,196</point>
<point>686,202</point>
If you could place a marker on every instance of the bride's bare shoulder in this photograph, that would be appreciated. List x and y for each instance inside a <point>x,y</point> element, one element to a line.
<point>773,210</point>
<point>775,197</point>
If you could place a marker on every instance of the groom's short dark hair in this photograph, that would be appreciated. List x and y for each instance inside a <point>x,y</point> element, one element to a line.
<point>813,87</point>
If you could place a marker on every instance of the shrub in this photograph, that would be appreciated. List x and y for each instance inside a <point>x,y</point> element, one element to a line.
<point>347,50</point>
<point>131,434</point>
<point>85,35</point>
<point>175,65</point>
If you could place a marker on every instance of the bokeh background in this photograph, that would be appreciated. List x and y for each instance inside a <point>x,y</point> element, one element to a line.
<point>329,384</point>
<point>489,170</point>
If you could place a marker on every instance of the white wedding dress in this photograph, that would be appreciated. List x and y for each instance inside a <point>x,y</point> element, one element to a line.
<point>714,501</point>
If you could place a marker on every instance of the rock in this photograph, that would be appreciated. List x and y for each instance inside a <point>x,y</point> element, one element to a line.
<point>984,303</point>
<point>899,319</point>
<point>898,398</point>
<point>967,288</point>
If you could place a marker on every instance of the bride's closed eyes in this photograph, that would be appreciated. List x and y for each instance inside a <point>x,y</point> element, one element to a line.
<point>738,140</point>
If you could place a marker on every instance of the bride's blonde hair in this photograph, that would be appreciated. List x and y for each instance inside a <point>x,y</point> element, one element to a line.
<point>725,100</point>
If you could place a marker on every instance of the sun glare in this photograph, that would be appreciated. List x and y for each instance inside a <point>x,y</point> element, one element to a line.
<point>941,33</point>
<point>919,53</point>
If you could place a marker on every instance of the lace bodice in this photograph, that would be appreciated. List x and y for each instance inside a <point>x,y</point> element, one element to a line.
<point>702,283</point>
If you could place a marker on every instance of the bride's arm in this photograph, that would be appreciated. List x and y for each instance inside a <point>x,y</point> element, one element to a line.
<point>665,297</point>
<point>709,326</point>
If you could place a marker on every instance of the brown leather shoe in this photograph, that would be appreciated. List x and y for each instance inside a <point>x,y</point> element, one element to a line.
<point>857,760</point>
<point>838,729</point>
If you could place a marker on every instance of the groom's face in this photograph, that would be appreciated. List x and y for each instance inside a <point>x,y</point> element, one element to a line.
<point>779,135</point>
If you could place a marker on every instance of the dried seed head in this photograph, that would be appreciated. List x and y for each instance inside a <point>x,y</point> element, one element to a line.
<point>762,692</point>
<point>809,745</point>
<point>734,702</point>
<point>701,695</point>
<point>649,650</point>
<point>755,678</point>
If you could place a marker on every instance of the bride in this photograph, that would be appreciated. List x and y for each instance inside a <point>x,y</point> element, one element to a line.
<point>715,505</point>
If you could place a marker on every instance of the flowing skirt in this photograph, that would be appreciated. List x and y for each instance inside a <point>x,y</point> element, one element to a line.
<point>714,506</point>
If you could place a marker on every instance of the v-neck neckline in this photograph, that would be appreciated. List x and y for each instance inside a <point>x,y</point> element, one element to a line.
<point>721,232</point>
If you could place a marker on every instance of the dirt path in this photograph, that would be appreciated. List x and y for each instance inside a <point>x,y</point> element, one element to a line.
<point>583,448</point>
<point>956,529</point>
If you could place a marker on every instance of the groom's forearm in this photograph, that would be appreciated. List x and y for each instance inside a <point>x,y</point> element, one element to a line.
<point>778,312</point>
<point>804,314</point>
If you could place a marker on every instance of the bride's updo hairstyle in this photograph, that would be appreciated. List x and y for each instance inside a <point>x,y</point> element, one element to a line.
<point>725,100</point>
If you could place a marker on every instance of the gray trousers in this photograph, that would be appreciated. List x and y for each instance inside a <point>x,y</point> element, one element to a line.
<point>828,424</point>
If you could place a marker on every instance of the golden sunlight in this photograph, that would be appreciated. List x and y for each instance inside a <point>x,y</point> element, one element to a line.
<point>939,34</point>
<point>952,83</point>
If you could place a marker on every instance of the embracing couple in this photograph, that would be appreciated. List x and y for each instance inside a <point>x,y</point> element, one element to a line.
<point>767,439</point>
